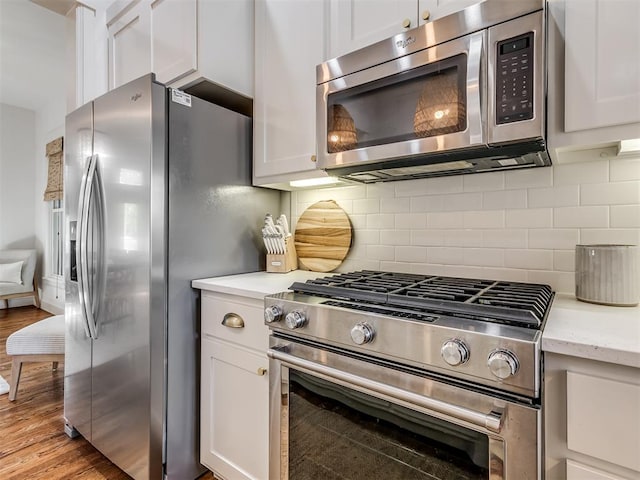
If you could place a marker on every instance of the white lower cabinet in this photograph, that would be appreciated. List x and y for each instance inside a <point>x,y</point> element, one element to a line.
<point>592,420</point>
<point>234,412</point>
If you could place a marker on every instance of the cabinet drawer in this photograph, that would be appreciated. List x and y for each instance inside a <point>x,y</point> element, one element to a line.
<point>254,334</point>
<point>603,419</point>
<point>577,471</point>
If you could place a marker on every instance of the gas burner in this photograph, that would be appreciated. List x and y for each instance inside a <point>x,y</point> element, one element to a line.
<point>513,303</point>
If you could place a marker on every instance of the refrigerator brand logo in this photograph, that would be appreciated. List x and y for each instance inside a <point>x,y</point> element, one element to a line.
<point>134,98</point>
<point>406,42</point>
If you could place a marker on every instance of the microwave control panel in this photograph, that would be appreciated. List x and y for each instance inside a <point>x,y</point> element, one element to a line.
<point>514,79</point>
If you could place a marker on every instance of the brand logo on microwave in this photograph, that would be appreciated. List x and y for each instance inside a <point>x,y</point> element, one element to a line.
<point>406,42</point>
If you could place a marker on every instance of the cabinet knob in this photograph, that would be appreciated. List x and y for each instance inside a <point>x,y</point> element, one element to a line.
<point>406,23</point>
<point>262,371</point>
<point>233,320</point>
<point>426,14</point>
<point>314,158</point>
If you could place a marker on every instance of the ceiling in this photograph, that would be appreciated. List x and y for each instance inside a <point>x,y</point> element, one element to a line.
<point>32,54</point>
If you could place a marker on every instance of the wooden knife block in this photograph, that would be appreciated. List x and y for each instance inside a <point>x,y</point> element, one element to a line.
<point>283,263</point>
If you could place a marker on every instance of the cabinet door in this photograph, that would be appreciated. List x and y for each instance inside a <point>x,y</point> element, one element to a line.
<point>602,70</point>
<point>173,38</point>
<point>429,10</point>
<point>357,23</point>
<point>289,43</point>
<point>129,44</point>
<point>577,471</point>
<point>234,411</point>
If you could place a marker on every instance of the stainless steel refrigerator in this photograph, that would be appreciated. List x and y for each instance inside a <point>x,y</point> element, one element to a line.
<point>157,193</point>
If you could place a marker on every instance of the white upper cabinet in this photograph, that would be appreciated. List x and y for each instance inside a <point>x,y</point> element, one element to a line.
<point>174,39</point>
<point>602,63</point>
<point>182,42</point>
<point>358,23</point>
<point>593,75</point>
<point>129,43</point>
<point>289,43</point>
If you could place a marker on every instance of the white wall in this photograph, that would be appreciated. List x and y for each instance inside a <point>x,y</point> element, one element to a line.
<point>519,225</point>
<point>17,183</point>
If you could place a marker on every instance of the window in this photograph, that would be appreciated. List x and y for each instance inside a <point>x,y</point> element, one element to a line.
<point>56,238</point>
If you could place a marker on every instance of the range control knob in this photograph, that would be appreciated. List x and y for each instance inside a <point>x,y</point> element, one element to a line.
<point>273,314</point>
<point>362,333</point>
<point>295,319</point>
<point>503,363</point>
<point>454,352</point>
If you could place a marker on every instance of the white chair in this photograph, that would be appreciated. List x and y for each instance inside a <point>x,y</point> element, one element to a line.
<point>42,341</point>
<point>29,285</point>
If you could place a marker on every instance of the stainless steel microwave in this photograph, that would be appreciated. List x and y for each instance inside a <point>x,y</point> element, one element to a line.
<point>464,93</point>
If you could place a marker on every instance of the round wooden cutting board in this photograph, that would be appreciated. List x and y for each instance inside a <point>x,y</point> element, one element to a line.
<point>322,237</point>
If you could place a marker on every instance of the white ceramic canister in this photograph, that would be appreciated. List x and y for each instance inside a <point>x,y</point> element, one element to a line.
<point>607,274</point>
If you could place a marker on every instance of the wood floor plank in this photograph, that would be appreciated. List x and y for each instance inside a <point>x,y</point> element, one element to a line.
<point>33,444</point>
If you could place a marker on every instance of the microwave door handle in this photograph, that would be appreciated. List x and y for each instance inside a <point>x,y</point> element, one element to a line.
<point>474,96</point>
<point>491,421</point>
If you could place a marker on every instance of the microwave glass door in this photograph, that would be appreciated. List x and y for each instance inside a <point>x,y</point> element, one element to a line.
<point>426,101</point>
<point>339,433</point>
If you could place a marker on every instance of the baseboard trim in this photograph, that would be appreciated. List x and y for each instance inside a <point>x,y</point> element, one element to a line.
<point>52,308</point>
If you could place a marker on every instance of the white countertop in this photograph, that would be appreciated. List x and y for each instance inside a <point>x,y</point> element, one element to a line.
<point>596,332</point>
<point>255,285</point>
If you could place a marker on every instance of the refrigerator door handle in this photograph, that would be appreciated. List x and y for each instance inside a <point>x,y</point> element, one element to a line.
<point>83,257</point>
<point>82,245</point>
<point>100,270</point>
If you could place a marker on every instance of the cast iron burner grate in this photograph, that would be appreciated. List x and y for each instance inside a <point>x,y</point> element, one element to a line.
<point>515,303</point>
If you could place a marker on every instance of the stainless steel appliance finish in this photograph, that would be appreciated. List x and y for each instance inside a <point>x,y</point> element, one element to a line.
<point>501,75</point>
<point>464,351</point>
<point>152,188</point>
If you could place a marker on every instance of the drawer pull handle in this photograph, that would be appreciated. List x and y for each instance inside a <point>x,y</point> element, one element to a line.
<point>262,371</point>
<point>233,320</point>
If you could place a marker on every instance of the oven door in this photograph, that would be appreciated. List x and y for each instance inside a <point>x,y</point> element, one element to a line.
<point>334,416</point>
<point>426,102</point>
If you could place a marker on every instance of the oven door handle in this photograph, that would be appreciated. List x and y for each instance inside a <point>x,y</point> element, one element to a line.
<point>491,421</point>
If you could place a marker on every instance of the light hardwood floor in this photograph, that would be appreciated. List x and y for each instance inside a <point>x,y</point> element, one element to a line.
<point>33,444</point>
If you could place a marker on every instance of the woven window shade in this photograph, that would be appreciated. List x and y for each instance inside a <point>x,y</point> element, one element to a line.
<point>54,177</point>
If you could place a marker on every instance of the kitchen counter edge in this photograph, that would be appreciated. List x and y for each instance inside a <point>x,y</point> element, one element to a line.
<point>595,332</point>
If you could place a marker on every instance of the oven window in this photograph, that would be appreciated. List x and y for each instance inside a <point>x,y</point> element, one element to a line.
<point>339,433</point>
<point>423,102</point>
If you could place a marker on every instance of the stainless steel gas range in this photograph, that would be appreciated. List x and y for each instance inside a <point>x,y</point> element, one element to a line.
<point>379,375</point>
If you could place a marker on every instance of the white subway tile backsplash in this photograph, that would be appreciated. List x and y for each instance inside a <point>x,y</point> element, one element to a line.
<point>411,254</point>
<point>529,218</point>
<point>628,236</point>
<point>445,256</point>
<point>366,205</point>
<point>577,217</point>
<point>381,252</point>
<point>462,238</point>
<point>445,220</point>
<point>580,173</point>
<point>505,238</point>
<point>516,225</point>
<point>562,196</point>
<point>529,259</point>
<point>412,221</point>
<point>483,182</point>
<point>564,260</point>
<point>395,205</point>
<point>427,237</point>
<point>381,220</point>
<point>621,170</point>
<point>461,201</point>
<point>559,238</point>
<point>505,199</point>
<point>528,178</point>
<point>620,193</point>
<point>483,257</point>
<point>395,237</point>
<point>625,216</point>
<point>487,219</point>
